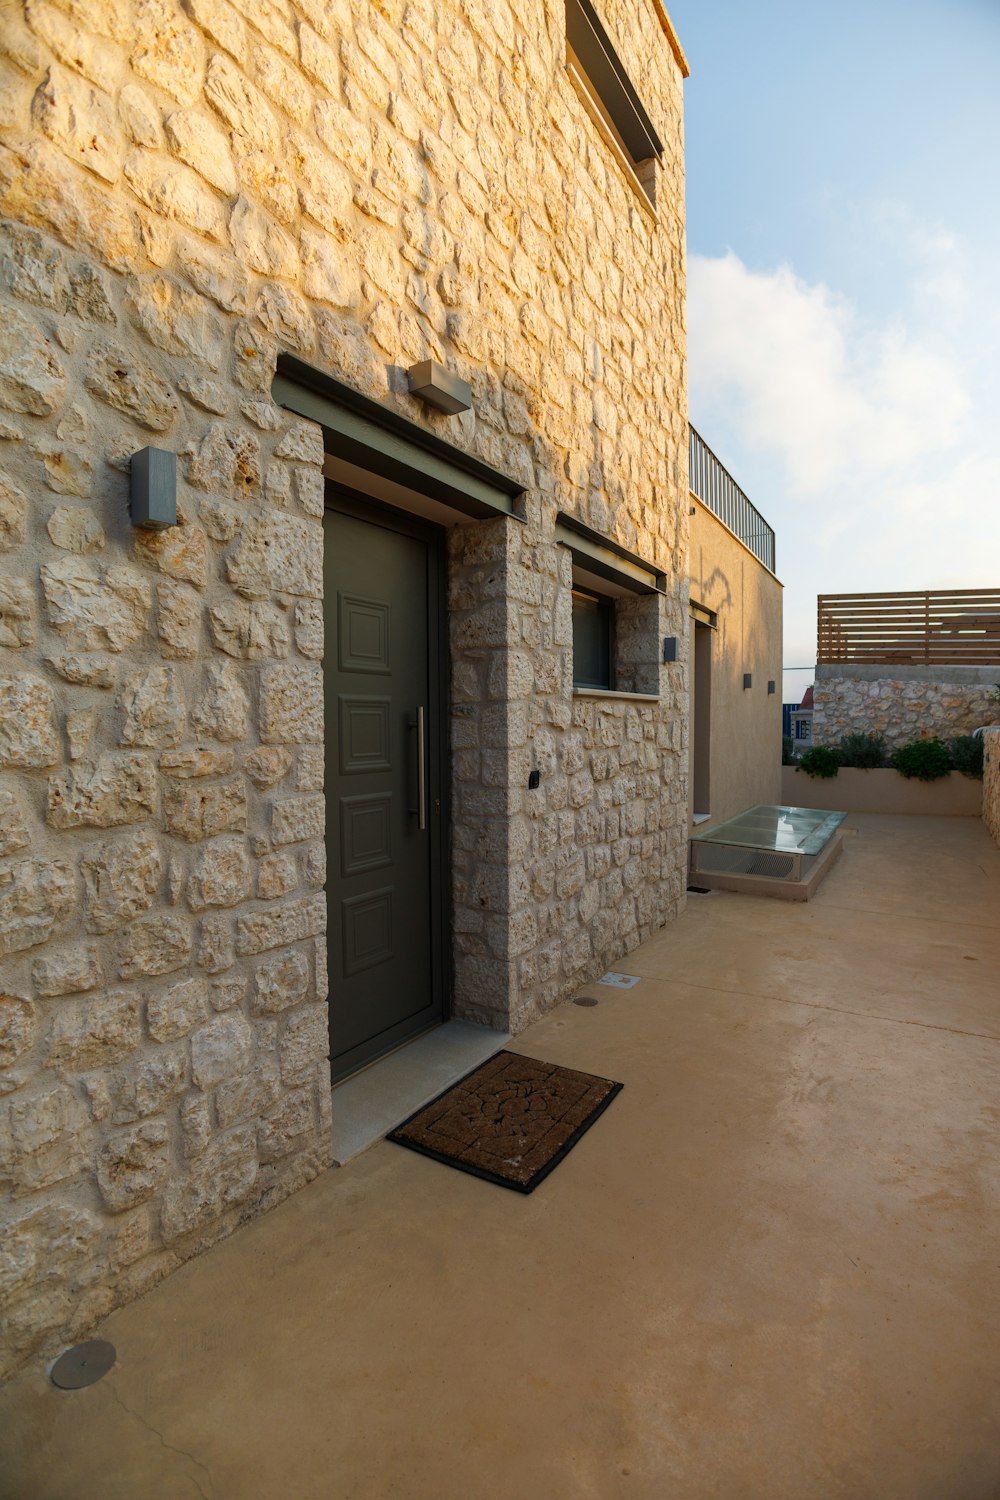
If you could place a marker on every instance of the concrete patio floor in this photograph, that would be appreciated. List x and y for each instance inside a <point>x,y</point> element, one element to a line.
<point>770,1270</point>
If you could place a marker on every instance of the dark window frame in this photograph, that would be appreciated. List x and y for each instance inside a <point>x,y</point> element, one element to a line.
<point>593,615</point>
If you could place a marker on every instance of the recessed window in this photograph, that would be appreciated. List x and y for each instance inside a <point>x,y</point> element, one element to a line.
<point>593,640</point>
<point>598,73</point>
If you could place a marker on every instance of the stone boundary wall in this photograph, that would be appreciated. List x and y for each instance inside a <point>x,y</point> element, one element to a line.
<point>902,708</point>
<point>187,190</point>
<point>991,782</point>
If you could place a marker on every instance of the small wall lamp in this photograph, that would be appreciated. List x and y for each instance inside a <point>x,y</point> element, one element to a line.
<point>747,679</point>
<point>153,496</point>
<point>439,387</point>
<point>669,648</point>
<point>771,686</point>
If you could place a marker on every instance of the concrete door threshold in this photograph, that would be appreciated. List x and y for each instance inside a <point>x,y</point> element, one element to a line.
<point>378,1098</point>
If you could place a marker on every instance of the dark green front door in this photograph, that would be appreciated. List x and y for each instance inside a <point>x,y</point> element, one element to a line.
<point>383,779</point>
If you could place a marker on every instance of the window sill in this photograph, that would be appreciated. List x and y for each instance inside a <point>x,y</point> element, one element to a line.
<point>587,692</point>
<point>700,817</point>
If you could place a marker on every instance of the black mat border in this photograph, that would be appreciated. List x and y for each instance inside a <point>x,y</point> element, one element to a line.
<point>494,1177</point>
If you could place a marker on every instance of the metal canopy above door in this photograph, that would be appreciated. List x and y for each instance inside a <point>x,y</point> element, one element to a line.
<point>383,442</point>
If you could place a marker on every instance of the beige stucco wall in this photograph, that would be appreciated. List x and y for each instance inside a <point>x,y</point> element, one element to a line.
<point>745,753</point>
<point>188,190</point>
<point>991,782</point>
<point>884,791</point>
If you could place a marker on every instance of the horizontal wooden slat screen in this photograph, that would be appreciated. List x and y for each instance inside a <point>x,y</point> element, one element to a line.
<point>941,627</point>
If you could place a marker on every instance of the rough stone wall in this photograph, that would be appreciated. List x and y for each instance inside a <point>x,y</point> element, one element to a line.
<point>902,710</point>
<point>991,782</point>
<point>187,190</point>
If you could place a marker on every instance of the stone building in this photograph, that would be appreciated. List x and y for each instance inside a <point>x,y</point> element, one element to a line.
<point>230,229</point>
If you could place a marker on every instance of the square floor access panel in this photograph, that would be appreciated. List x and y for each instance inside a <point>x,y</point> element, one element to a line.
<point>780,851</point>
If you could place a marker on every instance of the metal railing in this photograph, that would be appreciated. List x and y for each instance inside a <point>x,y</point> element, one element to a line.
<point>936,627</point>
<point>715,487</point>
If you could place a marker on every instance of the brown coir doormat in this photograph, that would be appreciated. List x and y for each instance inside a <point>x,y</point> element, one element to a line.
<point>509,1121</point>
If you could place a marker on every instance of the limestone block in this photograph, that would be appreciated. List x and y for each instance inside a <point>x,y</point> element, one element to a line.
<point>121,879</point>
<point>280,982</point>
<point>16,610</point>
<point>178,621</point>
<point>45,1143</point>
<point>249,1096</point>
<point>305,1041</point>
<point>35,895</point>
<point>215,274</point>
<point>75,530</point>
<point>130,386</point>
<point>221,875</point>
<point>132,1165</point>
<point>32,268</point>
<point>219,20</point>
<point>222,1048</point>
<point>80,120</point>
<point>196,1125</point>
<point>175,192</point>
<point>309,628</point>
<point>208,394</point>
<point>314,864</point>
<point>153,945</point>
<point>186,765</point>
<point>254,355</point>
<point>31,376</point>
<point>225,993</point>
<point>283,313</point>
<point>268,765</point>
<point>345,134</point>
<point>223,710</point>
<point>176,1011</point>
<point>13,830</point>
<point>39,186</point>
<point>94,1033</point>
<point>277,554</point>
<point>291,705</point>
<point>278,926</point>
<point>140,116</point>
<point>12,514</point>
<point>283,1131</point>
<point>115,789</point>
<point>241,105</point>
<point>260,243</point>
<point>223,1178</point>
<point>180,551</point>
<point>312,769</point>
<point>44,1245</point>
<point>276,876</point>
<point>197,140</point>
<point>221,520</point>
<point>140,1088</point>
<point>303,442</point>
<point>199,812</point>
<point>282,83</point>
<point>176,319</point>
<point>27,723</point>
<point>168,51</point>
<point>216,951</point>
<point>87,669</point>
<point>256,631</point>
<point>65,971</point>
<point>226,460</point>
<point>17,1028</point>
<point>94,608</point>
<point>153,706</point>
<point>294,819</point>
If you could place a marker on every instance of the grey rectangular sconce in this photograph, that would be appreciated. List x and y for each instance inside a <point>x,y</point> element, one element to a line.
<point>154,488</point>
<point>771,686</point>
<point>747,679</point>
<point>669,648</point>
<point>439,387</point>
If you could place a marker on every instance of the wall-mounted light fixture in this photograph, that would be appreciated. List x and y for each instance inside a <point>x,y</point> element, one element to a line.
<point>747,679</point>
<point>669,648</point>
<point>771,686</point>
<point>439,387</point>
<point>153,495</point>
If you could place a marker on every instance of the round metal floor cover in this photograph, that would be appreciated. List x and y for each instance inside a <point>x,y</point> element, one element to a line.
<point>586,1000</point>
<point>82,1365</point>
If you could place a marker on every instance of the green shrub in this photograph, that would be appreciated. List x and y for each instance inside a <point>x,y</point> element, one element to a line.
<point>787,750</point>
<point>820,761</point>
<point>967,755</point>
<point>926,760</point>
<point>864,751</point>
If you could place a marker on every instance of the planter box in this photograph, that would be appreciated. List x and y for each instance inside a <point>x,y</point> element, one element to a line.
<point>953,796</point>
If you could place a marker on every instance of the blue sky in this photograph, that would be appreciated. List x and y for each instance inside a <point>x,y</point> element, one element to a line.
<point>843,218</point>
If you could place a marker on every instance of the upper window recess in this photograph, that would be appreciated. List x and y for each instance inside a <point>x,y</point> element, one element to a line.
<point>597,68</point>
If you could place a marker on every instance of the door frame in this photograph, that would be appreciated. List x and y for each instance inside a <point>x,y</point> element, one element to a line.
<point>338,497</point>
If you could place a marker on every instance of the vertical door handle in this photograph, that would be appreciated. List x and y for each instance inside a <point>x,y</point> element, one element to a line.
<point>421,770</point>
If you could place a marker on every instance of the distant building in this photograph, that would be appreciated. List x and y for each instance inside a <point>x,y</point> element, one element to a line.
<point>801,721</point>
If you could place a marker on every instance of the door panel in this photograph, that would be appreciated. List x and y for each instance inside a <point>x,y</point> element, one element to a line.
<point>384,878</point>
